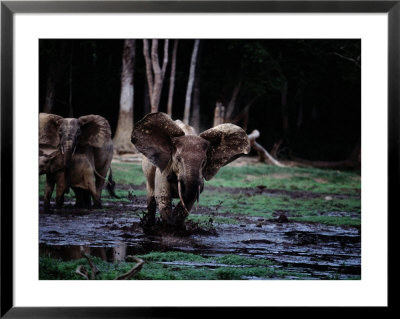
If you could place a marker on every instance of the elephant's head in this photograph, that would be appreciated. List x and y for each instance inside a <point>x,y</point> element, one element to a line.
<point>188,159</point>
<point>68,133</point>
<point>50,161</point>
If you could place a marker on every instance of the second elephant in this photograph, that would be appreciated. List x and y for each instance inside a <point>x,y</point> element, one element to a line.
<point>177,161</point>
<point>89,135</point>
<point>82,179</point>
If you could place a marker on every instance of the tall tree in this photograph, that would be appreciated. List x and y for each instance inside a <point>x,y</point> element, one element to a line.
<point>154,72</point>
<point>188,99</point>
<point>219,114</point>
<point>172,78</point>
<point>195,118</point>
<point>232,102</point>
<point>122,137</point>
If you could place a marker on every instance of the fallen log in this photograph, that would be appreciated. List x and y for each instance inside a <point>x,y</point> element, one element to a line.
<point>262,152</point>
<point>135,269</point>
<point>81,270</point>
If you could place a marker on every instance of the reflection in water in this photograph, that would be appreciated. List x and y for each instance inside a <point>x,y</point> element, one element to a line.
<point>119,252</point>
<point>73,252</point>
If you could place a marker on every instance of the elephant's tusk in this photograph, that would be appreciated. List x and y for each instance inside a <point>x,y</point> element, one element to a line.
<point>73,152</point>
<point>62,149</point>
<point>180,196</point>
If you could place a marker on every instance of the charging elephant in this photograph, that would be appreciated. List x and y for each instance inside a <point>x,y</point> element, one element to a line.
<point>82,178</point>
<point>89,135</point>
<point>177,161</point>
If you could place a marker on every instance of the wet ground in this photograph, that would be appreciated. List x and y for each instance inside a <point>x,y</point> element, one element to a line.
<point>313,250</point>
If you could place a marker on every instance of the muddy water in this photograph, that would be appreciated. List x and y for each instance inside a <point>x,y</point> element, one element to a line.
<point>316,251</point>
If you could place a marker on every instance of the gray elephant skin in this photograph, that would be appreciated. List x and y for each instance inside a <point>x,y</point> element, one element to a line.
<point>176,161</point>
<point>81,150</point>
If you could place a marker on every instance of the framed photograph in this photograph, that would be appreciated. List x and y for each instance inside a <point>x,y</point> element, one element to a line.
<point>308,88</point>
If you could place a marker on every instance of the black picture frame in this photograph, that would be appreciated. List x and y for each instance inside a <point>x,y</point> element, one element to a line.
<point>9,8</point>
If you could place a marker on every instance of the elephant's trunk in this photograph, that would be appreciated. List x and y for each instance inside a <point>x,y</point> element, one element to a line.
<point>180,196</point>
<point>68,149</point>
<point>189,191</point>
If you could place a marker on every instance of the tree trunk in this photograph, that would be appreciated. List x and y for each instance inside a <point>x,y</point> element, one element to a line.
<point>195,118</point>
<point>189,89</point>
<point>232,102</point>
<point>149,72</point>
<point>122,138</point>
<point>219,114</point>
<point>155,74</point>
<point>146,104</point>
<point>172,78</point>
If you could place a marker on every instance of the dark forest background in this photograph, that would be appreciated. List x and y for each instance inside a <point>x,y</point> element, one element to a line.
<point>305,95</point>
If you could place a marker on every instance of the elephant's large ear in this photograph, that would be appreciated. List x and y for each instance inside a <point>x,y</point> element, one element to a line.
<point>48,129</point>
<point>95,130</point>
<point>227,143</point>
<point>153,136</point>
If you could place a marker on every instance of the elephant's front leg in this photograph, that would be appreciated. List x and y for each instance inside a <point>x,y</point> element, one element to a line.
<point>149,170</point>
<point>48,190</point>
<point>163,196</point>
<point>61,187</point>
<point>150,217</point>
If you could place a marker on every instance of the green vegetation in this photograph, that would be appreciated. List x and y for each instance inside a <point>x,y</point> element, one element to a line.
<point>175,266</point>
<point>266,206</point>
<point>289,178</point>
<point>124,173</point>
<point>168,266</point>
<point>230,194</point>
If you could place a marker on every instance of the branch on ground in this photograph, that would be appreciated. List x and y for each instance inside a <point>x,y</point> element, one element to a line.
<point>81,270</point>
<point>262,152</point>
<point>135,269</point>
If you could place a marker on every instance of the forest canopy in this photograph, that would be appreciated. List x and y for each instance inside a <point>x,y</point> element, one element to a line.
<point>304,96</point>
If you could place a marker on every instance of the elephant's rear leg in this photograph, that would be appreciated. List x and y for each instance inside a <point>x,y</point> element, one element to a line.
<point>98,190</point>
<point>78,197</point>
<point>86,198</point>
<point>100,177</point>
<point>92,188</point>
